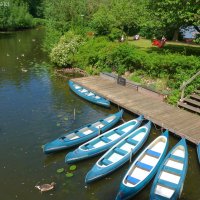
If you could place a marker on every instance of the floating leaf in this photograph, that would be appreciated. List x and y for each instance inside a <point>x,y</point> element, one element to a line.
<point>58,124</point>
<point>68,175</point>
<point>72,167</point>
<point>60,170</point>
<point>66,118</point>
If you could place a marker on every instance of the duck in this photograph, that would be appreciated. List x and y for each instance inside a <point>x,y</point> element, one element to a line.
<point>45,187</point>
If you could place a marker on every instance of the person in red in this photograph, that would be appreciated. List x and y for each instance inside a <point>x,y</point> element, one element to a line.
<point>159,43</point>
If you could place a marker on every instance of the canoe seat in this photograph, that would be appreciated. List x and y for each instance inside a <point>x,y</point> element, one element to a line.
<point>132,141</point>
<point>79,134</point>
<point>93,128</point>
<point>153,153</point>
<point>120,151</point>
<point>118,131</point>
<point>172,170</point>
<point>105,139</point>
<point>132,180</point>
<point>177,158</point>
<point>144,166</point>
<point>89,146</point>
<point>104,122</point>
<point>106,161</point>
<point>167,184</point>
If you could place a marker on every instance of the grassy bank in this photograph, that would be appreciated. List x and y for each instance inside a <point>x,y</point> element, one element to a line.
<point>163,70</point>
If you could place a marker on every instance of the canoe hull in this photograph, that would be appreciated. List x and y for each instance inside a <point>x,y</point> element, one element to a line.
<point>98,172</point>
<point>198,152</point>
<point>178,187</point>
<point>80,154</point>
<point>100,101</point>
<point>127,192</point>
<point>61,144</point>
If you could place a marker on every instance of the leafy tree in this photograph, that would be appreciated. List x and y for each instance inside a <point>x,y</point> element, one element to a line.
<point>103,21</point>
<point>15,15</point>
<point>173,15</point>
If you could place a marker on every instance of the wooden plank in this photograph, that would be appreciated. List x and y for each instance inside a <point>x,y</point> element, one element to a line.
<point>195,96</point>
<point>192,108</point>
<point>196,103</point>
<point>176,120</point>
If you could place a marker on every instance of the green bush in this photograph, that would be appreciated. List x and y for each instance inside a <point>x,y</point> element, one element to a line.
<point>15,15</point>
<point>100,54</point>
<point>103,21</point>
<point>63,53</point>
<point>115,34</point>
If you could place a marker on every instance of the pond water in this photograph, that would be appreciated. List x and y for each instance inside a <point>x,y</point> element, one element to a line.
<point>37,106</point>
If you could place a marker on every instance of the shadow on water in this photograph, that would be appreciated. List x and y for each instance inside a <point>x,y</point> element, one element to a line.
<point>37,106</point>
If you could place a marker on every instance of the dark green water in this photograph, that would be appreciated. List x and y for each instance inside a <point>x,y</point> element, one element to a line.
<point>37,106</point>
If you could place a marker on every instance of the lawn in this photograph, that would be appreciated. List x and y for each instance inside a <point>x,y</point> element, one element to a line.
<point>170,46</point>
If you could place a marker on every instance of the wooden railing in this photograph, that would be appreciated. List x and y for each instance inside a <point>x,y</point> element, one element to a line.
<point>185,83</point>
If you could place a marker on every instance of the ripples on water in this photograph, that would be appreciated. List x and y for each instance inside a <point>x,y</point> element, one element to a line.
<point>37,106</point>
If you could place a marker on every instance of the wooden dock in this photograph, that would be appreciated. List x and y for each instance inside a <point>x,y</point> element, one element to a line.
<point>176,120</point>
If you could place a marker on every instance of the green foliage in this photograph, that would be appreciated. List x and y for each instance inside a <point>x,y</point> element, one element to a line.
<point>115,34</point>
<point>174,97</point>
<point>174,14</point>
<point>197,39</point>
<point>63,53</point>
<point>14,15</point>
<point>103,21</point>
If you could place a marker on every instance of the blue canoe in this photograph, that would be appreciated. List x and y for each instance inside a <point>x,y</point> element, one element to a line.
<point>198,152</point>
<point>168,183</point>
<point>103,142</point>
<point>82,134</point>
<point>119,154</point>
<point>88,95</point>
<point>143,168</point>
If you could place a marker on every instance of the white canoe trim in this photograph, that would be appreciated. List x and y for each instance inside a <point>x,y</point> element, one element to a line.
<point>98,125</point>
<point>72,136</point>
<point>105,134</point>
<point>88,131</point>
<point>171,177</point>
<point>158,145</point>
<point>115,157</point>
<point>174,164</point>
<point>77,86</point>
<point>83,90</point>
<point>109,119</point>
<point>128,128</point>
<point>163,191</point>
<point>90,94</point>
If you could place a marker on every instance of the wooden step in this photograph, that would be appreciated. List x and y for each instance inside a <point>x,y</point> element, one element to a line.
<point>193,102</point>
<point>195,96</point>
<point>188,107</point>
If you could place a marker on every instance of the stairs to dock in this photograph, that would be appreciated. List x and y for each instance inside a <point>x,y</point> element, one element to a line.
<point>191,103</point>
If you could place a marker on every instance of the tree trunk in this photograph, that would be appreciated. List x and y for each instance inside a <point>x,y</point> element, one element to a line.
<point>175,36</point>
